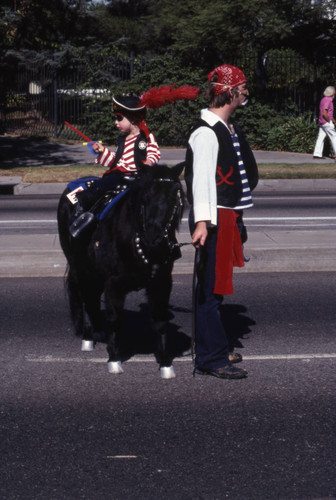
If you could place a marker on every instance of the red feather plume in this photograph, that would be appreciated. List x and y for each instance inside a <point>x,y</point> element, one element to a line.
<point>157,97</point>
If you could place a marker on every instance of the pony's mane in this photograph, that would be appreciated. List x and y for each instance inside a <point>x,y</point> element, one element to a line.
<point>160,175</point>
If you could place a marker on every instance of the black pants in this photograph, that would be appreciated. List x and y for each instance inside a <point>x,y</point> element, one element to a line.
<point>211,342</point>
<point>98,188</point>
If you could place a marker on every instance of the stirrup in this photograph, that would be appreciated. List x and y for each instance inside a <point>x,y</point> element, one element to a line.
<point>79,224</point>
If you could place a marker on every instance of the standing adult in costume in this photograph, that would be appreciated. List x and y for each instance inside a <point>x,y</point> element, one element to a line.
<point>326,123</point>
<point>221,172</point>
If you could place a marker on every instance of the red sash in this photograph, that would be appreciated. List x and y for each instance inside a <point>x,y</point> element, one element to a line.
<point>229,251</point>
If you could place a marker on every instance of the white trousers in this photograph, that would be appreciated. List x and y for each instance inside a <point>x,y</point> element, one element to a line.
<point>328,129</point>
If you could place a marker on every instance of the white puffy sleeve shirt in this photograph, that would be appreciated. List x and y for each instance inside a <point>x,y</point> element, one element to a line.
<point>204,144</point>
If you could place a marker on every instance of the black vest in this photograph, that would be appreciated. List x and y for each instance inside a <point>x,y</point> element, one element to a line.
<point>140,150</point>
<point>228,180</point>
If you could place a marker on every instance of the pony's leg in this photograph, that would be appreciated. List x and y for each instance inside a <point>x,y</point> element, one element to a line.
<point>84,299</point>
<point>94,331</point>
<point>114,304</point>
<point>158,293</point>
<point>78,314</point>
<point>76,304</point>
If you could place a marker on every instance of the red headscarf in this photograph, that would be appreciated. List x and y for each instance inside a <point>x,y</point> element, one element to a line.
<point>229,77</point>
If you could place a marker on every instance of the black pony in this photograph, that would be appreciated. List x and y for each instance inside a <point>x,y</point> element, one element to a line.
<point>133,248</point>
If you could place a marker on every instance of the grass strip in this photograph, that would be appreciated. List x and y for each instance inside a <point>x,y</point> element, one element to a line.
<point>66,173</point>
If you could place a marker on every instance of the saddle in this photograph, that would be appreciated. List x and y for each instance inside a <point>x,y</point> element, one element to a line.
<point>99,210</point>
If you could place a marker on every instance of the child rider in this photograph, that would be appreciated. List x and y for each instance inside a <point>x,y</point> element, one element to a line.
<point>136,145</point>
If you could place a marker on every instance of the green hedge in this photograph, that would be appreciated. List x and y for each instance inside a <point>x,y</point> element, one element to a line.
<point>264,126</point>
<point>170,124</point>
<point>294,134</point>
<point>267,130</point>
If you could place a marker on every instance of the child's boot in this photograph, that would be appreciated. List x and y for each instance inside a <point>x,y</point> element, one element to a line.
<point>83,216</point>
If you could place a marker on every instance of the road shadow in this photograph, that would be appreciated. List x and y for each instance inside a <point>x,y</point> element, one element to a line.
<point>138,336</point>
<point>28,152</point>
<point>236,323</point>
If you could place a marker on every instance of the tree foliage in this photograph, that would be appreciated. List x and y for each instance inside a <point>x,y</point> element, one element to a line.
<point>37,24</point>
<point>209,31</point>
<point>184,39</point>
<point>204,32</point>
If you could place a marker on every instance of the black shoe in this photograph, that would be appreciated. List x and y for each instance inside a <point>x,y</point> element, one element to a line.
<point>229,372</point>
<point>88,197</point>
<point>318,157</point>
<point>80,223</point>
<point>235,357</point>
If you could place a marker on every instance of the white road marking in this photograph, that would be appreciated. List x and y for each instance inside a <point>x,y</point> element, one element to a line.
<point>29,221</point>
<point>150,359</point>
<point>297,197</point>
<point>291,219</point>
<point>184,219</point>
<point>329,225</point>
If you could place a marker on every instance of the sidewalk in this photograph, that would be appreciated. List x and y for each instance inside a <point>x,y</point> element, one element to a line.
<point>30,154</point>
<point>15,151</point>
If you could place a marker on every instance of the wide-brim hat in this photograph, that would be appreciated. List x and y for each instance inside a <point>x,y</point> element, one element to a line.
<point>128,105</point>
<point>134,107</point>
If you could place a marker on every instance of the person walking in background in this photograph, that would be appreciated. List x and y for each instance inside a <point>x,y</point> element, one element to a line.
<point>326,123</point>
<point>220,174</point>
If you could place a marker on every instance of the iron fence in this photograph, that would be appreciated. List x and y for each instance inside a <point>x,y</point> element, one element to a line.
<point>37,101</point>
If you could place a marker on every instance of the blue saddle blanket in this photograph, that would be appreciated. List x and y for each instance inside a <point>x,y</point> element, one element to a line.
<point>101,216</point>
<point>108,206</point>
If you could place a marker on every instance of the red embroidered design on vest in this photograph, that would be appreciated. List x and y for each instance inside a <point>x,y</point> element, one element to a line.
<point>224,178</point>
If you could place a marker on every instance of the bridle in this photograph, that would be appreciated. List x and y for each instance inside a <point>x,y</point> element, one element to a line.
<point>167,235</point>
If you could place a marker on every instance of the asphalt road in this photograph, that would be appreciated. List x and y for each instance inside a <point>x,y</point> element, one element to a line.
<point>281,209</point>
<point>71,430</point>
<point>68,429</point>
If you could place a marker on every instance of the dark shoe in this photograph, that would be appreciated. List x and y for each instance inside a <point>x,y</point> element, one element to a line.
<point>318,157</point>
<point>229,372</point>
<point>88,197</point>
<point>80,223</point>
<point>235,357</point>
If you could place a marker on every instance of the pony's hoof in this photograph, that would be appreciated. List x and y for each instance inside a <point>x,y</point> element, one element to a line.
<point>115,367</point>
<point>87,345</point>
<point>167,372</point>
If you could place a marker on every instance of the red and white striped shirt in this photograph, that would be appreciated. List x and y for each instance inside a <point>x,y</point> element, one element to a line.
<point>126,164</point>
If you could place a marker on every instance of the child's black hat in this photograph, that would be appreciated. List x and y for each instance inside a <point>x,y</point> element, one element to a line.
<point>134,108</point>
<point>127,105</point>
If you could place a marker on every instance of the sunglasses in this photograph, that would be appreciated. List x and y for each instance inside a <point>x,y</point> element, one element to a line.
<point>119,118</point>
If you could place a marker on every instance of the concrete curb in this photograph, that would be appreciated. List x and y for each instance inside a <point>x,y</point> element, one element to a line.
<point>296,185</point>
<point>13,185</point>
